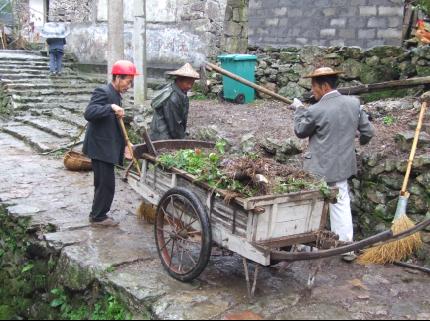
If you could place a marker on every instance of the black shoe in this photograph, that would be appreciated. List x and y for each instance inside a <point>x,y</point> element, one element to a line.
<point>109,222</point>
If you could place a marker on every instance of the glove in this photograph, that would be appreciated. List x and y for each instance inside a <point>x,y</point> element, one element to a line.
<point>296,104</point>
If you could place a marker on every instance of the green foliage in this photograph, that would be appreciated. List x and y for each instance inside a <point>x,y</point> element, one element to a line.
<point>106,308</point>
<point>199,96</point>
<point>293,185</point>
<point>389,120</point>
<point>134,136</point>
<point>206,167</point>
<point>424,5</point>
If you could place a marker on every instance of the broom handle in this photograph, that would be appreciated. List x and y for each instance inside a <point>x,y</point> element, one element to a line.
<point>130,148</point>
<point>414,149</point>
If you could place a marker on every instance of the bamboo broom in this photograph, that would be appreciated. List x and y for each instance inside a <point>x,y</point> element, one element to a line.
<point>401,249</point>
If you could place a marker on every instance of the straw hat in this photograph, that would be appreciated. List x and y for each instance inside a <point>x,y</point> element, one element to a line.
<point>323,72</point>
<point>185,71</point>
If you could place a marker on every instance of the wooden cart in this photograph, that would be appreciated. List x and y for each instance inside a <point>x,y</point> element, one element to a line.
<point>192,216</point>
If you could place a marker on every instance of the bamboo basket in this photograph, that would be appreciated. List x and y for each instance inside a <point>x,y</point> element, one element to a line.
<point>77,162</point>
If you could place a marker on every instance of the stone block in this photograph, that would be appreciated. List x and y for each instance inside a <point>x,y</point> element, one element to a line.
<point>330,12</point>
<point>280,12</point>
<point>348,34</point>
<point>377,22</point>
<point>368,11</point>
<point>328,32</point>
<point>295,12</point>
<point>272,22</point>
<point>394,22</point>
<point>367,34</point>
<point>391,11</point>
<point>338,22</point>
<point>390,33</point>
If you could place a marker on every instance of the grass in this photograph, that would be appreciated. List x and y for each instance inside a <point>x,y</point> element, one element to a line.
<point>105,308</point>
<point>389,120</point>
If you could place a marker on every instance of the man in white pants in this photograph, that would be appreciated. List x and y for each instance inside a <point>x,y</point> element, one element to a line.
<point>331,126</point>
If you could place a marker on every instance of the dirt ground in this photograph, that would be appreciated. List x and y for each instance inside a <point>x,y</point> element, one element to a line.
<point>271,119</point>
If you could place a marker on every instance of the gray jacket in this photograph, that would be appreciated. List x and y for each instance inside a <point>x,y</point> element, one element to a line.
<point>171,116</point>
<point>331,126</point>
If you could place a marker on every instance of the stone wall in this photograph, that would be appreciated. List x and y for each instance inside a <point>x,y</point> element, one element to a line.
<point>363,23</point>
<point>71,11</point>
<point>282,70</point>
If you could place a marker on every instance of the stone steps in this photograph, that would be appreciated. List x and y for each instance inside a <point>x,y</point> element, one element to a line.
<point>51,126</point>
<point>32,65</point>
<point>62,114</point>
<point>76,108</point>
<point>39,72</point>
<point>28,86</point>
<point>64,92</point>
<point>36,77</point>
<point>36,138</point>
<point>55,100</point>
<point>49,110</point>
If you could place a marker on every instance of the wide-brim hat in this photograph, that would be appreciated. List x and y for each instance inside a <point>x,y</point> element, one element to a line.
<point>324,72</point>
<point>186,71</point>
<point>55,30</point>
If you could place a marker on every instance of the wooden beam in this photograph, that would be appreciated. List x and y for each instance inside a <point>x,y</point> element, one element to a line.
<point>405,83</point>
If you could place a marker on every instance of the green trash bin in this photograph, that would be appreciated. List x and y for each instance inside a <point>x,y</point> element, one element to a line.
<point>243,66</point>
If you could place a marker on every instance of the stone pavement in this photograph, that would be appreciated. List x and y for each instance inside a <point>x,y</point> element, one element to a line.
<point>125,262</point>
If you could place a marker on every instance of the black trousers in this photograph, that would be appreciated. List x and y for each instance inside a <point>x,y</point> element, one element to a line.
<point>104,189</point>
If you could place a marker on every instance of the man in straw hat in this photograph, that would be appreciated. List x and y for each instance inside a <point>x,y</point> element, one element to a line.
<point>104,142</point>
<point>331,126</point>
<point>171,106</point>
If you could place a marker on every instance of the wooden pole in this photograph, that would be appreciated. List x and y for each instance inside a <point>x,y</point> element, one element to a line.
<point>248,83</point>
<point>414,148</point>
<point>404,83</point>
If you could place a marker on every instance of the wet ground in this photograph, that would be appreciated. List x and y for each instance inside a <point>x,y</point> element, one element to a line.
<point>125,261</point>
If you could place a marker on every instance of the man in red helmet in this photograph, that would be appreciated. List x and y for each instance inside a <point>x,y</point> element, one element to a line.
<point>104,142</point>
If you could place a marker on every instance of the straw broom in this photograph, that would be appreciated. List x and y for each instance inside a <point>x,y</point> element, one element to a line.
<point>401,249</point>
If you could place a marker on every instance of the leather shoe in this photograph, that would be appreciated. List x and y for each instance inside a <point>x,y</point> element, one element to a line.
<point>109,222</point>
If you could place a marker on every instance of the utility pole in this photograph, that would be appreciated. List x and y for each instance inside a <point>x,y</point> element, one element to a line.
<point>139,48</point>
<point>115,33</point>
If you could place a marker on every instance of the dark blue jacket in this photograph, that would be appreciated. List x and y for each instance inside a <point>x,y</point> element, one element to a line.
<point>104,140</point>
<point>56,44</point>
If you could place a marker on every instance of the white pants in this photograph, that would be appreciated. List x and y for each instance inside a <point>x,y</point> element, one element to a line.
<point>340,214</point>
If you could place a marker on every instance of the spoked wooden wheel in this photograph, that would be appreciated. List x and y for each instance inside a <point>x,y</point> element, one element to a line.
<point>183,234</point>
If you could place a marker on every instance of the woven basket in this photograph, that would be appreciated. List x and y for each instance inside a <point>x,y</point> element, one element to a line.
<point>77,162</point>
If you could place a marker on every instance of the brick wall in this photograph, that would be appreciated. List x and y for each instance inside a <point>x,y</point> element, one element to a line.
<point>363,23</point>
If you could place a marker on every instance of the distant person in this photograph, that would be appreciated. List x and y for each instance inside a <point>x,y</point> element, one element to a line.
<point>172,104</point>
<point>104,142</point>
<point>56,52</point>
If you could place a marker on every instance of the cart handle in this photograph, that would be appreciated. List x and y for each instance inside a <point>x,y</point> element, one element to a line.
<point>384,237</point>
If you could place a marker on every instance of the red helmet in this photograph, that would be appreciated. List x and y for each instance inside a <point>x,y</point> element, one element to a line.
<point>124,67</point>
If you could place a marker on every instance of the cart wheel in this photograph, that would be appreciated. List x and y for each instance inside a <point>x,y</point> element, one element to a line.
<point>240,99</point>
<point>183,234</point>
<point>221,98</point>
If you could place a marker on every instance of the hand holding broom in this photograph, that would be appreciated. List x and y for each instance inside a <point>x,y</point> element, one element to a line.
<point>129,146</point>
